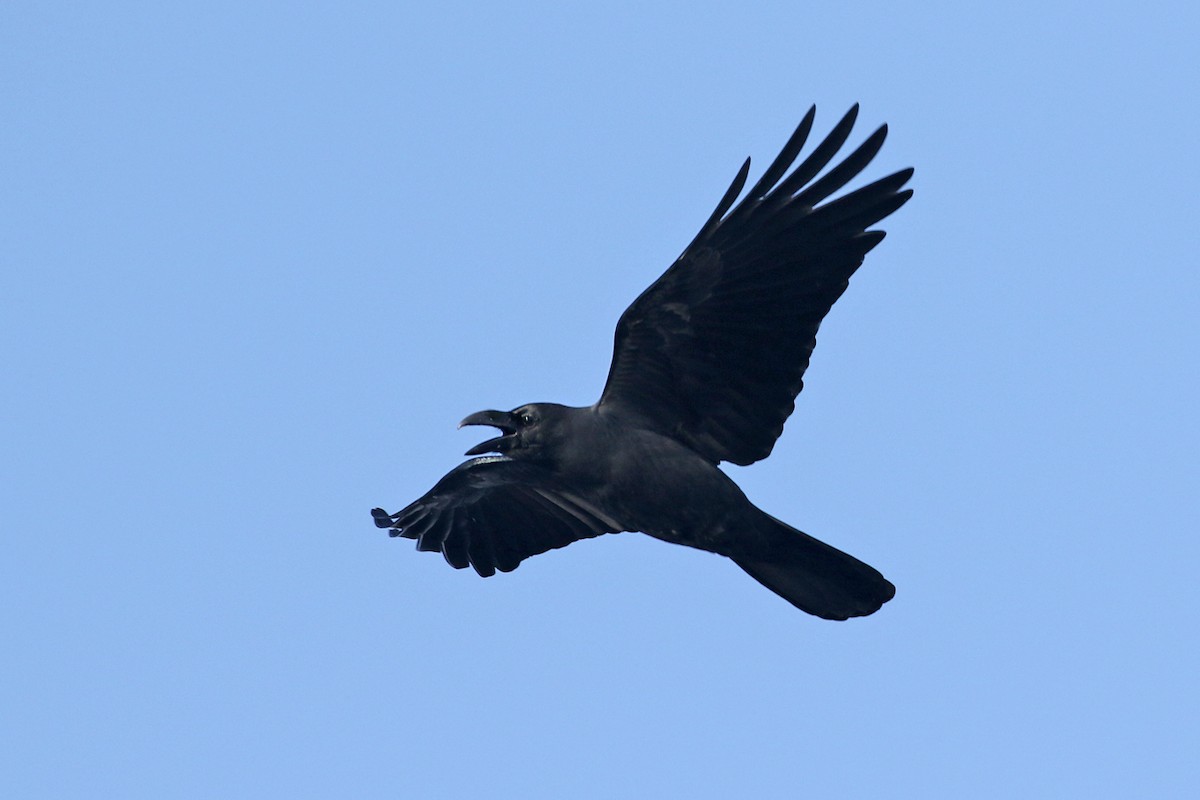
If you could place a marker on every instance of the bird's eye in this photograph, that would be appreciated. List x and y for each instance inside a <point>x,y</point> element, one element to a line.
<point>526,418</point>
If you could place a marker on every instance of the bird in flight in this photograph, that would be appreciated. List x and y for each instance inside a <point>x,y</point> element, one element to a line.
<point>706,366</point>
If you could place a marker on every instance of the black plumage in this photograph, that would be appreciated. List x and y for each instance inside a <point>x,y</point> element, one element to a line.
<point>707,363</point>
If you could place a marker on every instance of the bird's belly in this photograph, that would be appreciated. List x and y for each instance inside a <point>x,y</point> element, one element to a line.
<point>680,500</point>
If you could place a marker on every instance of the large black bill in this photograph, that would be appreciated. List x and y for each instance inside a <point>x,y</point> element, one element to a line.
<point>496,419</point>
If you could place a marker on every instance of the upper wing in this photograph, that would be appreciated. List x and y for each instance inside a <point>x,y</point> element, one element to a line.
<point>714,352</point>
<point>493,513</point>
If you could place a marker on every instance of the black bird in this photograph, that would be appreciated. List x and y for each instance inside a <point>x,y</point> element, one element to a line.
<point>706,366</point>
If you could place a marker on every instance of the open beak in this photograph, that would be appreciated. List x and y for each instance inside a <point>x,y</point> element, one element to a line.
<point>497,419</point>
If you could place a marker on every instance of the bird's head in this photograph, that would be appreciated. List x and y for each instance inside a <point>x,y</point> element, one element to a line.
<point>521,429</point>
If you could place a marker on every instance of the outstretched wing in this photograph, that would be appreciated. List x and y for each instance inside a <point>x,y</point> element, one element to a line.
<point>714,352</point>
<point>493,513</point>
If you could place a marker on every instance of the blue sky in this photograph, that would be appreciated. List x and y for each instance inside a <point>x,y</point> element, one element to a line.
<point>259,259</point>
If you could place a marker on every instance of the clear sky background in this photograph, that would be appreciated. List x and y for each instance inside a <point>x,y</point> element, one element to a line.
<point>259,259</point>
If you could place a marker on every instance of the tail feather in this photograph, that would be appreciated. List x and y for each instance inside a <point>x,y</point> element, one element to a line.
<point>812,575</point>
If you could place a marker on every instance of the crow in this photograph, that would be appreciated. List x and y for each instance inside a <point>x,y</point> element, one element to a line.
<point>707,363</point>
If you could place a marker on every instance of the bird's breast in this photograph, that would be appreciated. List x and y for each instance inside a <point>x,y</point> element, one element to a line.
<point>655,485</point>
